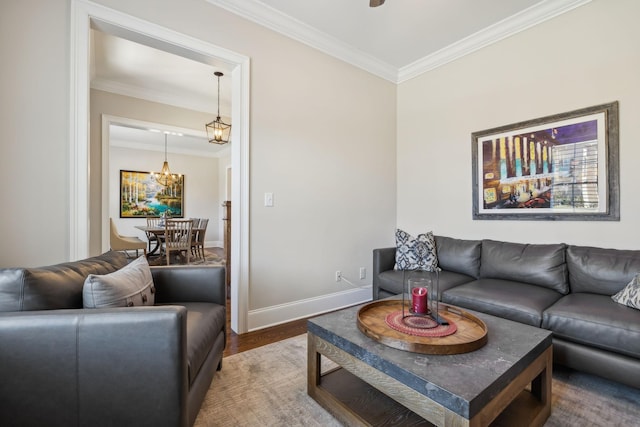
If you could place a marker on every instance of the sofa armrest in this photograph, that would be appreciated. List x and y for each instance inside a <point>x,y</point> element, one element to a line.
<point>189,284</point>
<point>73,367</point>
<point>384,259</point>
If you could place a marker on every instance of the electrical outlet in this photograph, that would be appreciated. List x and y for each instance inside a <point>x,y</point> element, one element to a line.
<point>363,272</point>
<point>338,276</point>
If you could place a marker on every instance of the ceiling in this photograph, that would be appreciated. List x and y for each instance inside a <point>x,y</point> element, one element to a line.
<point>401,38</point>
<point>132,69</point>
<point>396,41</point>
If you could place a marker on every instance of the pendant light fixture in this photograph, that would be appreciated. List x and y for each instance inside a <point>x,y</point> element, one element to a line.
<point>218,132</point>
<point>165,177</point>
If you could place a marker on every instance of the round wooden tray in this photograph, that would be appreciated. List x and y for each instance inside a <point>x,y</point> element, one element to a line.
<point>470,336</point>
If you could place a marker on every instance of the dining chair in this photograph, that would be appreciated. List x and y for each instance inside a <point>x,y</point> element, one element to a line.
<point>177,237</point>
<point>153,237</point>
<point>197,246</point>
<point>196,224</point>
<point>125,243</point>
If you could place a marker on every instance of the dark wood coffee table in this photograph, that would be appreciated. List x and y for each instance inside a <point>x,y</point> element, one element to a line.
<point>506,382</point>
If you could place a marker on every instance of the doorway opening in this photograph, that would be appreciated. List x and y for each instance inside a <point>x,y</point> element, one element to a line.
<point>138,145</point>
<point>85,16</point>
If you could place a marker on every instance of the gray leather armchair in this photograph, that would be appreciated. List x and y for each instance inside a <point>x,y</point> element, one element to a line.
<point>134,366</point>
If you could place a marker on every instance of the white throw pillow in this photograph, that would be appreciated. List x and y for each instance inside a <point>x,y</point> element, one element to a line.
<point>130,286</point>
<point>413,253</point>
<point>630,294</point>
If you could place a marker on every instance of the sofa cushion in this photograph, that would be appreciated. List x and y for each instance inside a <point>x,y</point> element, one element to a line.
<point>630,294</point>
<point>414,253</point>
<point>205,321</point>
<point>459,256</point>
<point>54,287</point>
<point>597,321</point>
<point>132,285</point>
<point>392,280</point>
<point>601,271</point>
<point>508,299</point>
<point>542,265</point>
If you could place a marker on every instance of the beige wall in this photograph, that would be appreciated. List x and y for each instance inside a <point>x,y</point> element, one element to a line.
<point>317,142</point>
<point>583,58</point>
<point>322,140</point>
<point>323,137</point>
<point>34,118</point>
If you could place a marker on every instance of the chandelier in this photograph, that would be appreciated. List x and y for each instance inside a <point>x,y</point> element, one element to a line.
<point>165,177</point>
<point>218,132</point>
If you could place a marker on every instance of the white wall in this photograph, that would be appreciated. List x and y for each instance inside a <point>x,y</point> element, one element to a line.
<point>201,198</point>
<point>583,58</point>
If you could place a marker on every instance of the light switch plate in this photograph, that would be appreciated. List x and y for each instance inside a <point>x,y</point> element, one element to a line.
<point>268,199</point>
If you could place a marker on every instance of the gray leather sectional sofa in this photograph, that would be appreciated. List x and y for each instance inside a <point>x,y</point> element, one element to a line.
<point>65,365</point>
<point>565,289</point>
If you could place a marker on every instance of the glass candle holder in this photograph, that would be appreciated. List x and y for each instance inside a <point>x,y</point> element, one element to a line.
<point>419,294</point>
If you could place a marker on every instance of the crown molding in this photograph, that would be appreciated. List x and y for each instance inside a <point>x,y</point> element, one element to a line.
<point>286,25</point>
<point>508,27</point>
<point>190,150</point>
<point>134,145</point>
<point>275,20</point>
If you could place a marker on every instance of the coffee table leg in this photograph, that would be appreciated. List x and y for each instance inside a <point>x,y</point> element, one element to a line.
<point>315,390</point>
<point>516,406</point>
<point>541,388</point>
<point>313,366</point>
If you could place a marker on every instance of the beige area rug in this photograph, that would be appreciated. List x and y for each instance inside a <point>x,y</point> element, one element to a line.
<point>211,258</point>
<point>267,387</point>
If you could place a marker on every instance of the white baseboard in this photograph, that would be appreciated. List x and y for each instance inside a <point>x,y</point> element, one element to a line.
<point>213,244</point>
<point>282,313</point>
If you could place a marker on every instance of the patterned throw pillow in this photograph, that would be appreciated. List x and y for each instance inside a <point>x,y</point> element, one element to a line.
<point>630,294</point>
<point>415,253</point>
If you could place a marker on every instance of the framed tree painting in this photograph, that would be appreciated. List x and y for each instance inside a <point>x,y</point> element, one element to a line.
<point>141,195</point>
<point>561,167</point>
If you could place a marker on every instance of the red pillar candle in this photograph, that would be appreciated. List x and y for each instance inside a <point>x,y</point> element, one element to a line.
<point>419,300</point>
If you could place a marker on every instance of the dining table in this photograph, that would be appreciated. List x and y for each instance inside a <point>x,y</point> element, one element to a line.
<point>159,233</point>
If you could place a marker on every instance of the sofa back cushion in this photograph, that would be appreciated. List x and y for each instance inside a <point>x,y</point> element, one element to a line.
<point>459,256</point>
<point>54,287</point>
<point>599,270</point>
<point>542,265</point>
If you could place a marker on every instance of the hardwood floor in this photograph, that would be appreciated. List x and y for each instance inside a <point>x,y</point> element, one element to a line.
<point>239,343</point>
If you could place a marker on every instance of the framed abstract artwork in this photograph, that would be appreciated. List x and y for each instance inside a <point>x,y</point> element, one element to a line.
<point>560,167</point>
<point>142,196</point>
